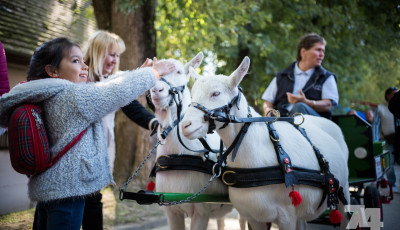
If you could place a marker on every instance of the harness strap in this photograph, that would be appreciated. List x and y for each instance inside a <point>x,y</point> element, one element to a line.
<point>235,144</point>
<point>206,146</point>
<point>223,117</point>
<point>283,158</point>
<point>141,197</point>
<point>253,177</point>
<point>183,162</point>
<point>166,131</point>
<point>323,164</point>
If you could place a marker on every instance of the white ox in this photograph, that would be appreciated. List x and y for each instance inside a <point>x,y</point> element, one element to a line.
<point>187,181</point>
<point>269,203</point>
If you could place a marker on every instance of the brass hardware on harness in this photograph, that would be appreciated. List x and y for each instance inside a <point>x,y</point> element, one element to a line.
<point>223,178</point>
<point>158,165</point>
<point>274,112</point>
<point>273,139</point>
<point>295,114</point>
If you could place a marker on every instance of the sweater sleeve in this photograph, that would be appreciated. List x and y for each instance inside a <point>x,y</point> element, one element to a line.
<point>4,83</point>
<point>139,114</point>
<point>95,100</point>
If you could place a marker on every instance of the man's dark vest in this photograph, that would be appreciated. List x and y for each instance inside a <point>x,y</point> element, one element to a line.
<point>312,89</point>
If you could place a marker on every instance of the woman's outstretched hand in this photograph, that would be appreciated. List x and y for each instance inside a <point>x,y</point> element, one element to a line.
<point>147,63</point>
<point>163,67</point>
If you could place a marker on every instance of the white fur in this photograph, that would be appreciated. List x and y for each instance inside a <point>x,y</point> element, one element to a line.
<point>270,203</point>
<point>185,181</point>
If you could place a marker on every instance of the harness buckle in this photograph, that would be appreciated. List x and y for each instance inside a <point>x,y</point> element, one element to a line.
<point>223,178</point>
<point>121,194</point>
<point>273,139</point>
<point>158,165</point>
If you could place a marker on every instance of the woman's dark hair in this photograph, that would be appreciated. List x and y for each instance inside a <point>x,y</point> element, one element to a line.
<point>49,53</point>
<point>389,91</point>
<point>307,42</point>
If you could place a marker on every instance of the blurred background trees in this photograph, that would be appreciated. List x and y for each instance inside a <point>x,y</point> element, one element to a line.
<point>362,39</point>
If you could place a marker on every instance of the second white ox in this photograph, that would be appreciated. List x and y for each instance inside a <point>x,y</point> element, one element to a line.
<point>186,181</point>
<point>269,203</point>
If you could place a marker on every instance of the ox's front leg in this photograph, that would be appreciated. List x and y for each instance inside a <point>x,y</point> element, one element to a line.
<point>287,225</point>
<point>199,221</point>
<point>254,225</point>
<point>221,223</point>
<point>301,225</point>
<point>242,222</point>
<point>176,220</point>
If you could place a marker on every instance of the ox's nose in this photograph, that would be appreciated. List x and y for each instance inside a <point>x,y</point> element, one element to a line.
<point>186,124</point>
<point>157,89</point>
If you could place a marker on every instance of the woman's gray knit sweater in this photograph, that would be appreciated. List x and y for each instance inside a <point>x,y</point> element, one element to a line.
<point>68,108</point>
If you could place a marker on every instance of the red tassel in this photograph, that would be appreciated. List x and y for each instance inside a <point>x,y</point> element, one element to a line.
<point>335,217</point>
<point>296,198</point>
<point>150,186</point>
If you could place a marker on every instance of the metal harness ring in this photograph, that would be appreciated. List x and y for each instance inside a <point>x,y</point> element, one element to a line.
<point>213,170</point>
<point>223,178</point>
<point>158,165</point>
<point>274,112</point>
<point>302,116</point>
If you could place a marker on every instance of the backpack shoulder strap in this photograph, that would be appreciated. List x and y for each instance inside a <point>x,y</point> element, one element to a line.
<point>67,148</point>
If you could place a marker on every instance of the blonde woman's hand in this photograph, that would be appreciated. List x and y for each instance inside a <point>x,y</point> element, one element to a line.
<point>147,63</point>
<point>163,67</point>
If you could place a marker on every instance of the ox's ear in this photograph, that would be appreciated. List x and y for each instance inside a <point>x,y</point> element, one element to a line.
<point>193,73</point>
<point>195,62</point>
<point>237,76</point>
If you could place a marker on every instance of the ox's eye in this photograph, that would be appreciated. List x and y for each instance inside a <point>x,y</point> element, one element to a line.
<point>179,72</point>
<point>215,94</point>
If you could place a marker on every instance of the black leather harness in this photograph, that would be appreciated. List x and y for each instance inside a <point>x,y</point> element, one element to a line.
<point>285,172</point>
<point>183,162</point>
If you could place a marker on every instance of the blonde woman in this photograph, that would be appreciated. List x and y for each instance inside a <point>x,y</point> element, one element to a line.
<point>102,55</point>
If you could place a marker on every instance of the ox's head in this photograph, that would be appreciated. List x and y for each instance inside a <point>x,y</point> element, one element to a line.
<point>161,93</point>
<point>211,92</point>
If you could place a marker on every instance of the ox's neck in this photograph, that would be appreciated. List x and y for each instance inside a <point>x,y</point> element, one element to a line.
<point>166,118</point>
<point>229,133</point>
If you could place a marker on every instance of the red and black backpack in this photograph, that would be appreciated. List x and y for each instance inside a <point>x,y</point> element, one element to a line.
<point>28,142</point>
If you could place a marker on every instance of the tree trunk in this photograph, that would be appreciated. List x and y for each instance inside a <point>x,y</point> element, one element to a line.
<point>102,12</point>
<point>137,31</point>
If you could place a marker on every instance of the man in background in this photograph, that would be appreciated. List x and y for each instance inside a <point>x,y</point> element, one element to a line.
<point>304,86</point>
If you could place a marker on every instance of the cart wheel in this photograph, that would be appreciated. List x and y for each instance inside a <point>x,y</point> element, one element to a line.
<point>372,199</point>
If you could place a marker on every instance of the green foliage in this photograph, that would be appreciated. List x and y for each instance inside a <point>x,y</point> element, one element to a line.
<point>362,39</point>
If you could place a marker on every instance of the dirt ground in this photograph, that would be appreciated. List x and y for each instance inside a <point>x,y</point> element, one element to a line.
<point>115,212</point>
